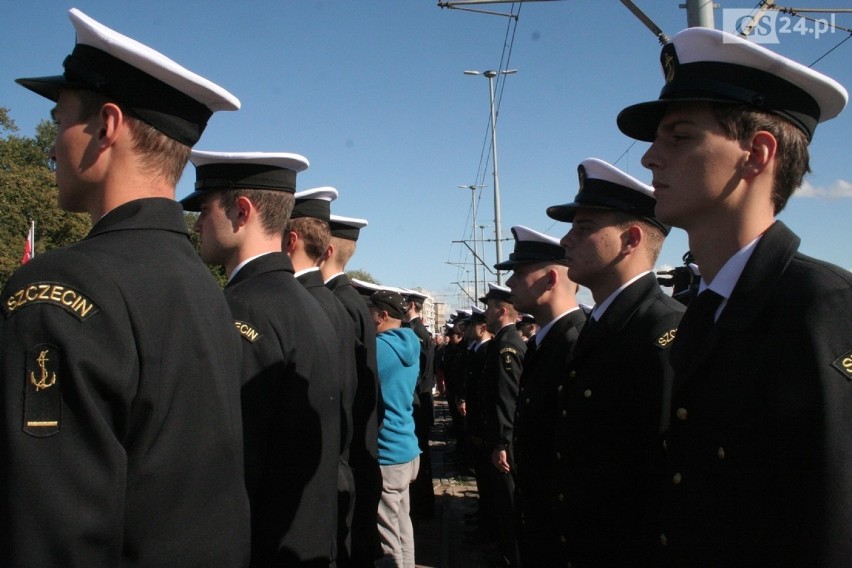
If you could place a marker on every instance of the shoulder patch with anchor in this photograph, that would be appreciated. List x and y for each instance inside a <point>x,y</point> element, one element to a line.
<point>248,331</point>
<point>42,391</point>
<point>844,365</point>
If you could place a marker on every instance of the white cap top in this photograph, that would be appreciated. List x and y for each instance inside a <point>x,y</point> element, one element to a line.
<point>492,287</point>
<point>598,169</point>
<point>321,193</point>
<point>293,162</point>
<point>527,235</point>
<point>224,171</point>
<point>349,221</point>
<point>346,227</point>
<point>708,65</point>
<point>603,186</point>
<point>93,33</point>
<point>169,97</point>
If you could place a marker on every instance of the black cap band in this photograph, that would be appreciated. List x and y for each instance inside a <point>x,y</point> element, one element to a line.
<point>244,176</point>
<point>602,194</point>
<point>717,81</point>
<point>315,208</point>
<point>344,231</point>
<point>170,111</point>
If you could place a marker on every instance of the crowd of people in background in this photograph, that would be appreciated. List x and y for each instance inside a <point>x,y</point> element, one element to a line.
<point>150,418</point>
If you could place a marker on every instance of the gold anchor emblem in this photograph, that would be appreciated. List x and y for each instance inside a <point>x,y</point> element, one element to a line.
<point>42,382</point>
<point>669,66</point>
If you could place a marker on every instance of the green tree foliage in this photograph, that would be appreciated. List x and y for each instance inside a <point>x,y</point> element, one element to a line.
<point>217,271</point>
<point>28,193</point>
<point>362,275</point>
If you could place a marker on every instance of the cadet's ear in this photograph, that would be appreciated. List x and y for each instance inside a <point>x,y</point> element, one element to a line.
<point>631,237</point>
<point>244,210</point>
<point>110,119</point>
<point>329,252</point>
<point>552,278</point>
<point>290,239</point>
<point>763,149</point>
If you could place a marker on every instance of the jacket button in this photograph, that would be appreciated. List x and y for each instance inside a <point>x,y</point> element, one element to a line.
<point>587,393</point>
<point>559,388</point>
<point>681,413</point>
<point>663,540</point>
<point>572,374</point>
<point>721,453</point>
<point>677,478</point>
<point>564,413</point>
<point>527,401</point>
<point>559,455</point>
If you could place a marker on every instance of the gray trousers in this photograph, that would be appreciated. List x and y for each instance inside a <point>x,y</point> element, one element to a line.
<point>395,529</point>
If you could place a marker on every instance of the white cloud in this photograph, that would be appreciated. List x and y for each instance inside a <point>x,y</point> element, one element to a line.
<point>838,190</point>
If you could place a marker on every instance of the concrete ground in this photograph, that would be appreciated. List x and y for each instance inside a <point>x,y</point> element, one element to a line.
<point>440,542</point>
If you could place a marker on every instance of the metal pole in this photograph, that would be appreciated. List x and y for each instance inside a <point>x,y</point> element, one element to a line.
<point>473,234</point>
<point>482,235</point>
<point>498,233</point>
<point>699,14</point>
<point>497,225</point>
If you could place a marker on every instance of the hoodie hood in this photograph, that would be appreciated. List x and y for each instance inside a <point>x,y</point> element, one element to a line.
<point>404,342</point>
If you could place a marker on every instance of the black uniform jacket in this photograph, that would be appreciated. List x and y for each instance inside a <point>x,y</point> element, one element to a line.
<point>426,379</point>
<point>613,405</point>
<point>760,443</point>
<point>504,364</point>
<point>344,334</point>
<point>120,442</point>
<point>367,413</point>
<point>471,394</point>
<point>368,406</point>
<point>536,419</point>
<point>291,414</point>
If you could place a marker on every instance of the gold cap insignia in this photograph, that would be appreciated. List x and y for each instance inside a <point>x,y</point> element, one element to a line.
<point>669,61</point>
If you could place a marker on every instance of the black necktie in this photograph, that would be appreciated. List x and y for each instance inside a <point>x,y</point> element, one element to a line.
<point>532,347</point>
<point>695,328</point>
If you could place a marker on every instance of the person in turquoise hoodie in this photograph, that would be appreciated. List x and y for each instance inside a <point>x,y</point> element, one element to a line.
<point>398,358</point>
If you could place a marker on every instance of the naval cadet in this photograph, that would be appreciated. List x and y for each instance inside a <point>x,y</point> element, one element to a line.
<point>759,446</point>
<point>289,396</point>
<point>504,363</point>
<point>119,358</point>
<point>469,403</point>
<point>368,407</point>
<point>422,493</point>
<point>306,238</point>
<point>614,401</point>
<point>541,286</point>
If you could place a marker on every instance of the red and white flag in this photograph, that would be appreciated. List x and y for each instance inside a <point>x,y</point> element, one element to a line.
<point>29,247</point>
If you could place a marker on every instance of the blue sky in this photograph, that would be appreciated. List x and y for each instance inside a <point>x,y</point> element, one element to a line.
<point>374,95</point>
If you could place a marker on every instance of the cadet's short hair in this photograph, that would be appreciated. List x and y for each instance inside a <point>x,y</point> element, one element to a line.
<point>344,249</point>
<point>274,207</point>
<point>792,158</point>
<point>161,155</point>
<point>315,232</point>
<point>654,235</point>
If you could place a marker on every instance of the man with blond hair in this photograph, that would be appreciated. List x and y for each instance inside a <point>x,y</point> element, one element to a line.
<point>121,438</point>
